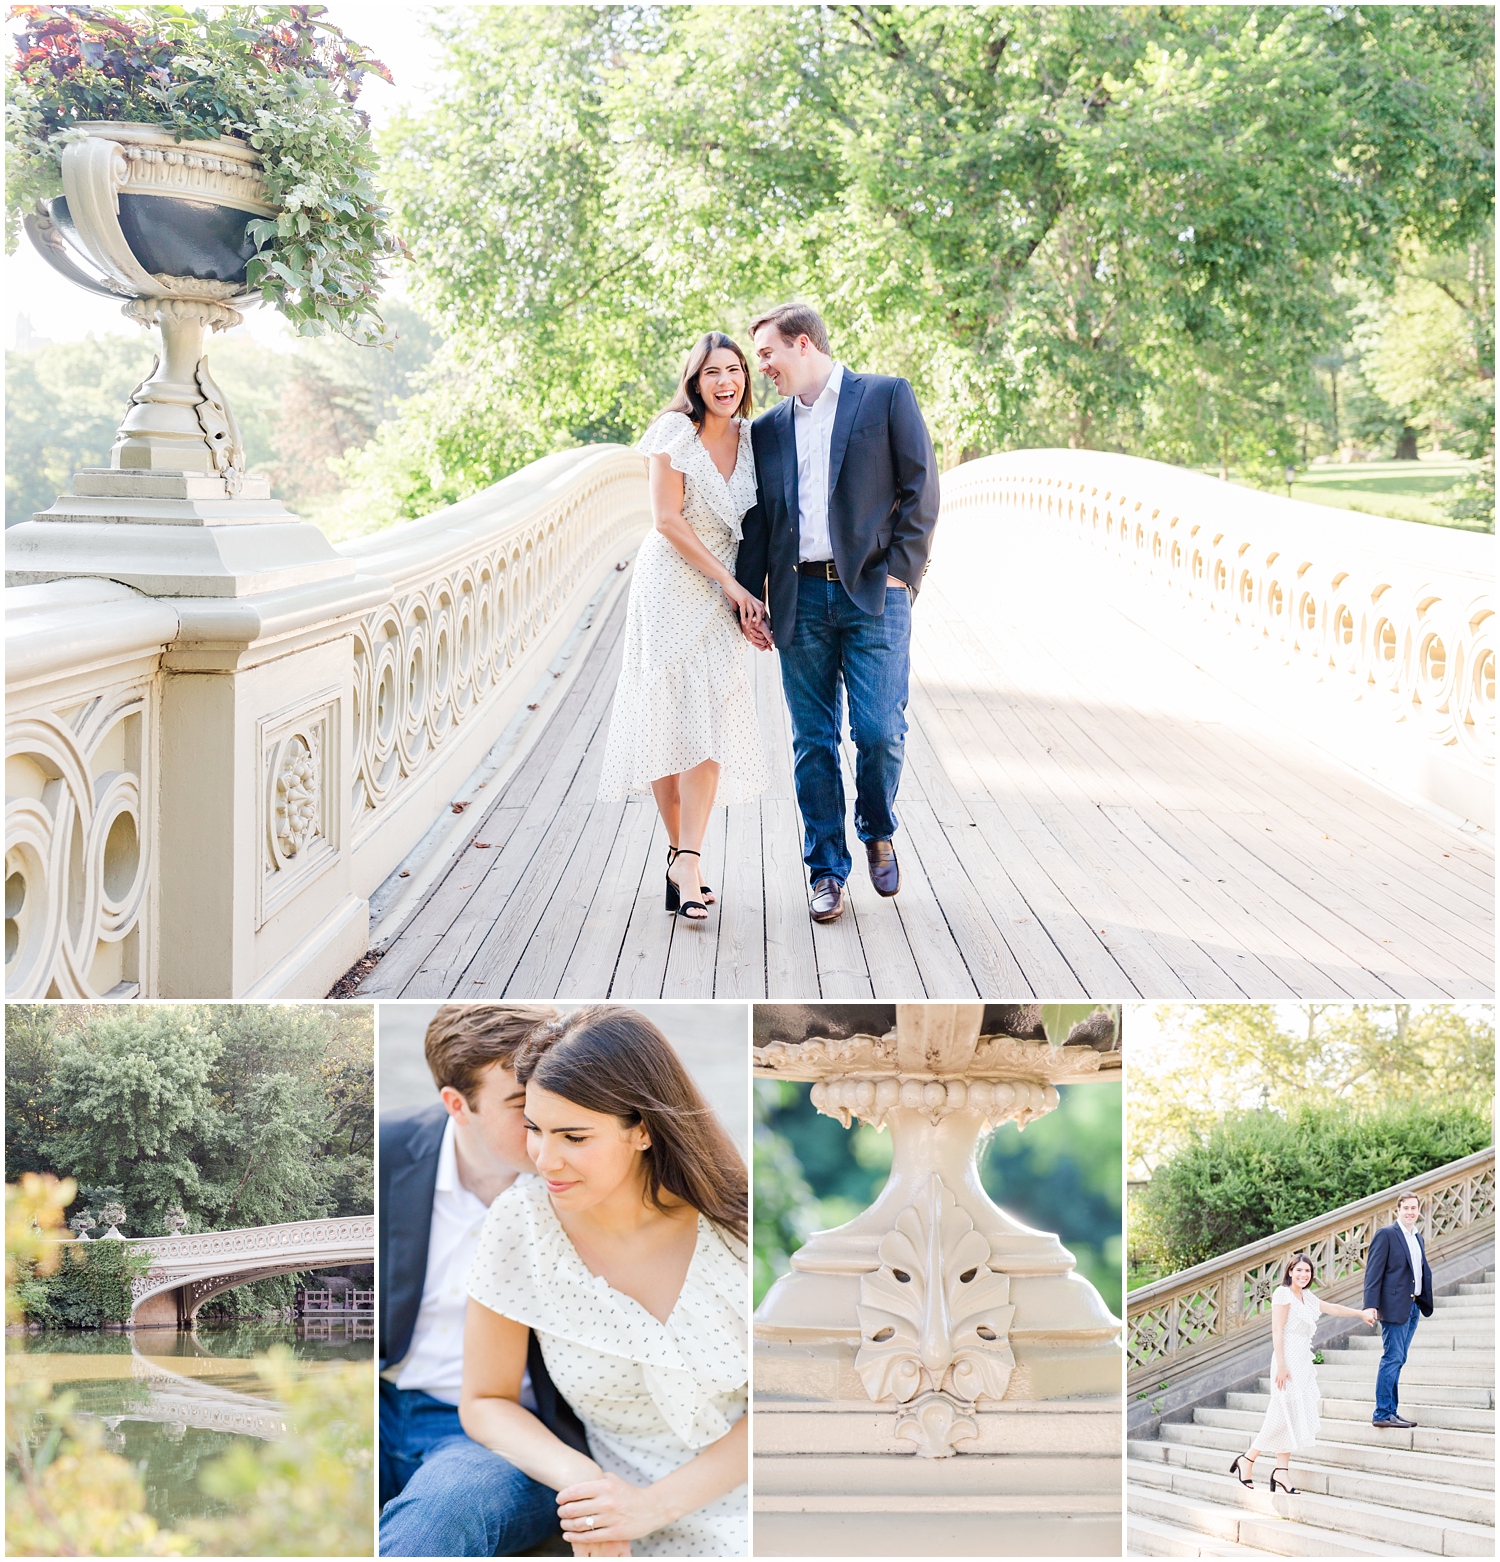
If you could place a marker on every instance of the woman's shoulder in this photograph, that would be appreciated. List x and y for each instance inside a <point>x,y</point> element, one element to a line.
<point>672,434</point>
<point>1281,1295</point>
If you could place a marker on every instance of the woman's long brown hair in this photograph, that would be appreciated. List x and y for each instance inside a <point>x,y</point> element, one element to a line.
<point>614,1060</point>
<point>689,397</point>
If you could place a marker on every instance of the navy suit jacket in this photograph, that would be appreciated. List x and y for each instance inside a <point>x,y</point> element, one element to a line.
<point>1388,1277</point>
<point>409,1145</point>
<point>882,499</point>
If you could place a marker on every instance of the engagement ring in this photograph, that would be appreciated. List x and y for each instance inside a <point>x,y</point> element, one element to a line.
<point>590,1521</point>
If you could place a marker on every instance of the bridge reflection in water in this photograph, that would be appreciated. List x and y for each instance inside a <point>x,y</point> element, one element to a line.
<point>1092,805</point>
<point>172,1401</point>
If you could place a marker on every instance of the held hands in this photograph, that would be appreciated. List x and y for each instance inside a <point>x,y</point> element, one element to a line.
<point>752,612</point>
<point>620,1513</point>
<point>1371,1316</point>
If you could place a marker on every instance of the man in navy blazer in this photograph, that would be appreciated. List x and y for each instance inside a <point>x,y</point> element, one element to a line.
<point>837,545</point>
<point>441,1166</point>
<point>1398,1284</point>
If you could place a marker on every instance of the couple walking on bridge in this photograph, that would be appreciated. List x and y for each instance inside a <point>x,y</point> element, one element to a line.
<point>1397,1292</point>
<point>808,531</point>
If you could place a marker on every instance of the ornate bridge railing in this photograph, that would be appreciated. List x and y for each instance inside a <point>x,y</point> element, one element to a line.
<point>203,793</point>
<point>201,1264</point>
<point>1392,618</point>
<point>1215,1309</point>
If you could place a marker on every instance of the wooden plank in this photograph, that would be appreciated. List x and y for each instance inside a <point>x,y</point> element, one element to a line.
<point>890,966</point>
<point>539,972</point>
<point>590,971</point>
<point>649,931</point>
<point>791,967</point>
<point>740,959</point>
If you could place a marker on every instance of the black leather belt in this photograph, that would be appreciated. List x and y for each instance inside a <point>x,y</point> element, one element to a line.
<point>819,569</point>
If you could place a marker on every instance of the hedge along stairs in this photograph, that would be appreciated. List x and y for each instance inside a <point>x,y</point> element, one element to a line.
<point>1363,1492</point>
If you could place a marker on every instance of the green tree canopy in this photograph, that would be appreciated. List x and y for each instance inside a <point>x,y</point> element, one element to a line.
<point>1213,1059</point>
<point>1123,227</point>
<point>243,1114</point>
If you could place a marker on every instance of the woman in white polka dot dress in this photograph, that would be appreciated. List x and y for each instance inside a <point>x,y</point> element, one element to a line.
<point>684,719</point>
<point>626,1256</point>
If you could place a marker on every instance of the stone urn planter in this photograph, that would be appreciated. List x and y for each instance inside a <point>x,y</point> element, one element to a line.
<point>162,225</point>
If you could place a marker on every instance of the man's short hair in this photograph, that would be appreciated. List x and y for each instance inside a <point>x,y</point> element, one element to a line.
<point>464,1039</point>
<point>794,320</point>
<point>1405,1196</point>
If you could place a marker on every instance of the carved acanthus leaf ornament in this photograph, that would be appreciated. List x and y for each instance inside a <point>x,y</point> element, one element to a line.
<point>935,1321</point>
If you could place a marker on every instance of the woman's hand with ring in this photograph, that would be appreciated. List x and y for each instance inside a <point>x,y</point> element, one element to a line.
<point>618,1510</point>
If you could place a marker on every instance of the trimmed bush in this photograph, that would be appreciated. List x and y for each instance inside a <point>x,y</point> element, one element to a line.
<point>1256,1173</point>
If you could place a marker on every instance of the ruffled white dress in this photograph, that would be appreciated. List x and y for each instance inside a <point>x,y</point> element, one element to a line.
<point>684,693</point>
<point>1291,1421</point>
<point>651,1395</point>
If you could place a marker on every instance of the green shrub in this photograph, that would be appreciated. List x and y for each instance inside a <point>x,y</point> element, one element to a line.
<point>1255,1173</point>
<point>92,1289</point>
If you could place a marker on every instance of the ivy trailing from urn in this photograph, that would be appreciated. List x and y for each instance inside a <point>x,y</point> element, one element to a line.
<point>278,78</point>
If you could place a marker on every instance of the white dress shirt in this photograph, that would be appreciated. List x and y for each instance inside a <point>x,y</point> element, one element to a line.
<point>435,1362</point>
<point>814,430</point>
<point>1414,1250</point>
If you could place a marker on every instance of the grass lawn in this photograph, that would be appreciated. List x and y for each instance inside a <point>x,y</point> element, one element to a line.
<point>1404,490</point>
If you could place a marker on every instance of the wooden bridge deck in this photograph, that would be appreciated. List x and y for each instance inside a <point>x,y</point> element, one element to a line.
<point>1063,834</point>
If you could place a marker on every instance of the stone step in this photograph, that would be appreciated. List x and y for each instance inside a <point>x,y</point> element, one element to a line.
<point>1308,1475</point>
<point>1480,1396</point>
<point>1431,1336</point>
<point>1259,1515</point>
<point>1455,1418</point>
<point>1426,1440</point>
<point>1487,1289</point>
<point>1414,1472</point>
<point>1158,1538</point>
<point>1447,1368</point>
<point>1458,1303</point>
<point>1273,1535</point>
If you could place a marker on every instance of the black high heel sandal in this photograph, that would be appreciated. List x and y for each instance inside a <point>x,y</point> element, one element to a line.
<point>683,908</point>
<point>1234,1470</point>
<point>673,853</point>
<point>1282,1469</point>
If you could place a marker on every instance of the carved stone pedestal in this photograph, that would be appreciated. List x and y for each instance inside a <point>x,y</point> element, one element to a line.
<point>934,1377</point>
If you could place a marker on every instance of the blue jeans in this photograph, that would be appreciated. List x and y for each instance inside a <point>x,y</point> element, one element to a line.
<point>838,647</point>
<point>443,1495</point>
<point>1395,1341</point>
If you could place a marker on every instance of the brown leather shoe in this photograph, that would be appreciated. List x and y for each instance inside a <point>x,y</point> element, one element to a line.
<point>827,903</point>
<point>885,871</point>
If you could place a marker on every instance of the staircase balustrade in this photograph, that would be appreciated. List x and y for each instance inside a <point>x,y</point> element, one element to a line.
<point>1218,1308</point>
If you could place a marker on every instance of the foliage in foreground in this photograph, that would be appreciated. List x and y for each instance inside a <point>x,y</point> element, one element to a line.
<point>276,76</point>
<point>1255,1173</point>
<point>308,1493</point>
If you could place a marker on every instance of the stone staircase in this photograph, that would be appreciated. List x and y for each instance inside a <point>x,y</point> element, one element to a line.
<point>1363,1492</point>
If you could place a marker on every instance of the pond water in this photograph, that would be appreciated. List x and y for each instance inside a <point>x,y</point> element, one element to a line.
<point>172,1402</point>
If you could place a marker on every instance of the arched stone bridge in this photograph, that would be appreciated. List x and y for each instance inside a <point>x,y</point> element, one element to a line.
<point>187,1271</point>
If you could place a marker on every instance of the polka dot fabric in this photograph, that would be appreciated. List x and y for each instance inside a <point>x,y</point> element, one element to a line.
<point>684,693</point>
<point>650,1394</point>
